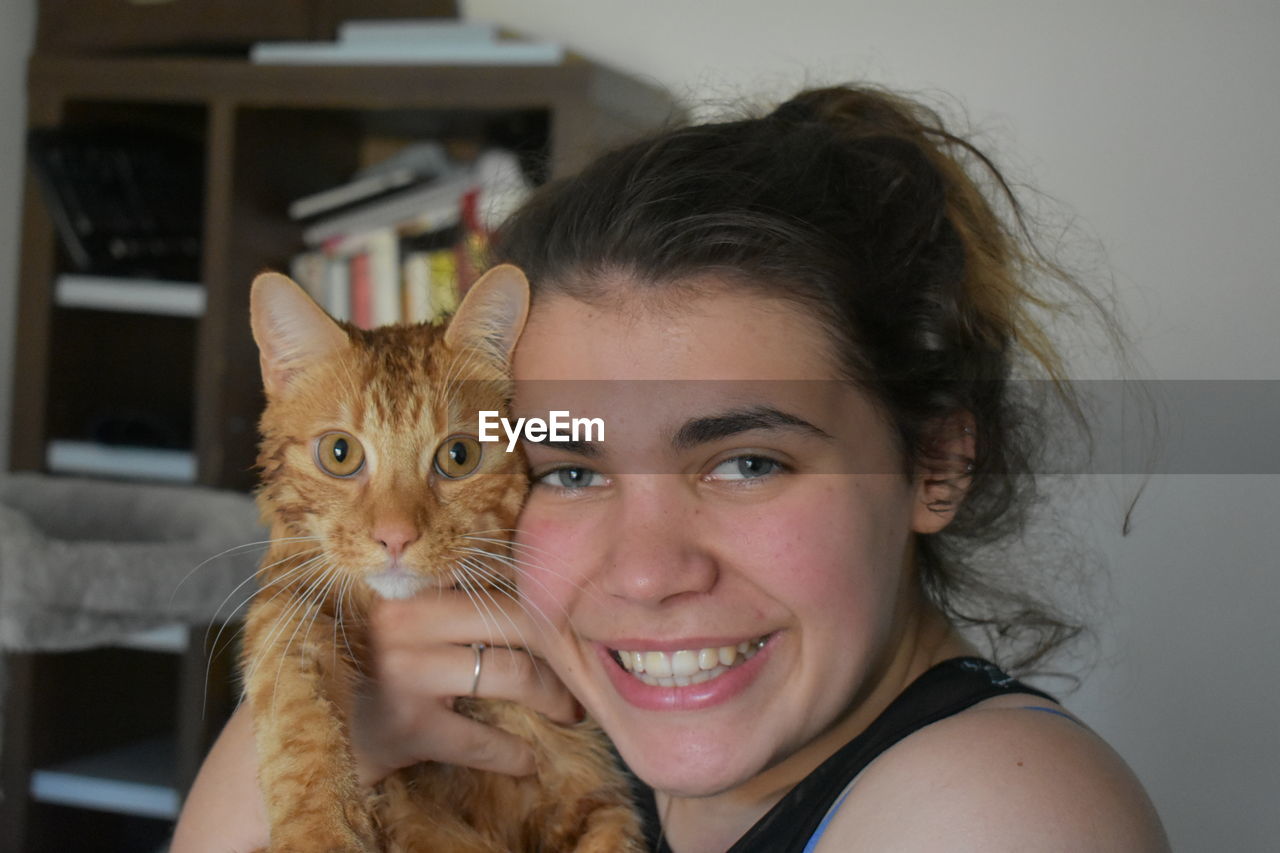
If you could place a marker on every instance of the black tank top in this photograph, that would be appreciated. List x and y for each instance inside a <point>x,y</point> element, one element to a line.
<point>946,689</point>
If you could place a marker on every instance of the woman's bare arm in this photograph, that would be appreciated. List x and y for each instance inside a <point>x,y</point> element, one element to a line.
<point>224,812</point>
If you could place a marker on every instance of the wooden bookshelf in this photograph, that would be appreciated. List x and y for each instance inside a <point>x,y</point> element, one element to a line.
<point>270,134</point>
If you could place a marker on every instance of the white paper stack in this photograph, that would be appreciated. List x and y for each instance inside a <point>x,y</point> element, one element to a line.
<point>411,42</point>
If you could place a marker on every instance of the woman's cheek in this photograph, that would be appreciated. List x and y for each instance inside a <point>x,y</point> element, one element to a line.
<point>551,548</point>
<point>802,542</point>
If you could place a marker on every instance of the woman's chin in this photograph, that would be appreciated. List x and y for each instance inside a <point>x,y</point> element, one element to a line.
<point>698,769</point>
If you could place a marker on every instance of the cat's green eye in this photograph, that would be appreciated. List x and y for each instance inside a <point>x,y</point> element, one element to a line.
<point>339,454</point>
<point>458,456</point>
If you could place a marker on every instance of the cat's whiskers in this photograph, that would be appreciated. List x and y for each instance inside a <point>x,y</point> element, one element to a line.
<point>494,581</point>
<point>263,570</point>
<point>279,624</point>
<point>486,591</point>
<point>341,624</point>
<point>300,589</point>
<point>520,568</point>
<point>228,552</point>
<point>274,582</point>
<point>299,617</point>
<point>320,589</point>
<point>510,586</point>
<point>479,592</point>
<point>525,547</point>
<point>214,651</point>
<point>489,591</point>
<point>468,586</point>
<point>527,568</point>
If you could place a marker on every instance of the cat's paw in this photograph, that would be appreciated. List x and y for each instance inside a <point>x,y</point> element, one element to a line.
<point>338,841</point>
<point>612,829</point>
<point>322,847</point>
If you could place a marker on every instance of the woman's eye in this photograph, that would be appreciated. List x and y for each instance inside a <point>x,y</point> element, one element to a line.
<point>572,478</point>
<point>745,468</point>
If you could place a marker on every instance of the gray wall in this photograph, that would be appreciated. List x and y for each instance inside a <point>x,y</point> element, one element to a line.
<point>17,24</point>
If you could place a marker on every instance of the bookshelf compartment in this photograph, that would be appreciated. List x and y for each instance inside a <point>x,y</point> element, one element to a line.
<point>123,380</point>
<point>58,828</point>
<point>135,779</point>
<point>124,186</point>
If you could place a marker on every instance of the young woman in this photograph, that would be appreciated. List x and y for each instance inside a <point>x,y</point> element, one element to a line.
<point>802,332</point>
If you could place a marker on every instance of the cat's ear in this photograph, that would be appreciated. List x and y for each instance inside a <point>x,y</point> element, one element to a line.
<point>492,314</point>
<point>292,331</point>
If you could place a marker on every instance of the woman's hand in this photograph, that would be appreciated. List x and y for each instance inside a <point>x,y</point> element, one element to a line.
<point>423,660</point>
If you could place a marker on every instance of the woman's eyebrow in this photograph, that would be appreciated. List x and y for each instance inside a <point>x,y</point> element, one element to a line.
<point>586,449</point>
<point>714,427</point>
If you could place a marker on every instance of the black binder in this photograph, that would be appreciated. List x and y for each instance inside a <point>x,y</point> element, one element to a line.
<point>124,202</point>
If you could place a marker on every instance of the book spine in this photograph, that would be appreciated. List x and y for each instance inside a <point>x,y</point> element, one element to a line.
<point>418,307</point>
<point>444,281</point>
<point>361,291</point>
<point>337,299</point>
<point>308,270</point>
<point>383,252</point>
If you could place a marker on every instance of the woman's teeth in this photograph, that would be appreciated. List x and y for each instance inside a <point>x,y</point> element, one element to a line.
<point>685,667</point>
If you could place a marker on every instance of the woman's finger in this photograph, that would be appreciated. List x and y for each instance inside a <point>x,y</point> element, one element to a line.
<point>459,740</point>
<point>416,677</point>
<point>450,617</point>
<point>519,677</point>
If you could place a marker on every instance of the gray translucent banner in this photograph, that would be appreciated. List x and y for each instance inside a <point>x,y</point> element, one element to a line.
<point>1135,427</point>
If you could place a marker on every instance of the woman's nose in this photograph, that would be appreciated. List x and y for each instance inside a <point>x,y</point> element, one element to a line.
<point>654,552</point>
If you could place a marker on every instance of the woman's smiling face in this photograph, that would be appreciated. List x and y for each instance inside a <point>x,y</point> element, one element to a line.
<point>742,533</point>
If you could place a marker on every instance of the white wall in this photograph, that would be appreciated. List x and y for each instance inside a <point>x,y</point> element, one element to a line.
<point>1156,123</point>
<point>17,28</point>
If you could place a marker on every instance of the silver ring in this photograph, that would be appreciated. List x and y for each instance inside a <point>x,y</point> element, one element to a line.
<point>475,676</point>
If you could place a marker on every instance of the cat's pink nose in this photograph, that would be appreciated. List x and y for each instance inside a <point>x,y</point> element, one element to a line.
<point>395,537</point>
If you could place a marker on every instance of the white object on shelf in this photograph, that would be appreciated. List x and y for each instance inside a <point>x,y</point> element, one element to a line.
<point>407,53</point>
<point>134,295</point>
<point>134,463</point>
<point>437,203</point>
<point>416,30</point>
<point>166,638</point>
<point>136,779</point>
<point>357,190</point>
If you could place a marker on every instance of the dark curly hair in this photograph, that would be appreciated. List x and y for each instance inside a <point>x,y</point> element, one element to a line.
<point>908,245</point>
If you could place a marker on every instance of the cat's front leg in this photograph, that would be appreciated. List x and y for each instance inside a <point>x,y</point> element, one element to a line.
<point>299,690</point>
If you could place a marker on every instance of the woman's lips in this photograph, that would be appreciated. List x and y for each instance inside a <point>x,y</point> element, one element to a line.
<point>691,678</point>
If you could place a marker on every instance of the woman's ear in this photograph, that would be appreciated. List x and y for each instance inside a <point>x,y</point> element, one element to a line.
<point>944,475</point>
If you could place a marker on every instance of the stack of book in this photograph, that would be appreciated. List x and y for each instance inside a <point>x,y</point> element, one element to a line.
<point>403,242</point>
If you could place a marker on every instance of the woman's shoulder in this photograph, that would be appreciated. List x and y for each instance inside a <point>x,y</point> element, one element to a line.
<point>999,776</point>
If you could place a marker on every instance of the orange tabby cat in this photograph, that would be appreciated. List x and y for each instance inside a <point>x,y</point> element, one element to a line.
<point>374,484</point>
